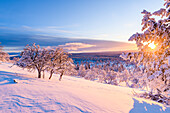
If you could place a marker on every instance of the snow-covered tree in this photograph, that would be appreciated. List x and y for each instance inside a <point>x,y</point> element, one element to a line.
<point>51,60</point>
<point>59,62</point>
<point>110,78</point>
<point>101,76</point>
<point>153,49</point>
<point>82,71</point>
<point>33,58</point>
<point>4,57</point>
<point>71,70</point>
<point>91,74</point>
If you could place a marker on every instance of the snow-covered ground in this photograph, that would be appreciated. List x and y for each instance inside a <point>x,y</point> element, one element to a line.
<point>71,95</point>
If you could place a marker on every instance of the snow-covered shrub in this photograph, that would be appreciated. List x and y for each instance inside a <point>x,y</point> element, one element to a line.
<point>14,60</point>
<point>110,78</point>
<point>156,97</point>
<point>101,76</point>
<point>91,74</point>
<point>82,71</point>
<point>123,77</point>
<point>153,49</point>
<point>71,71</point>
<point>4,57</point>
<point>134,75</point>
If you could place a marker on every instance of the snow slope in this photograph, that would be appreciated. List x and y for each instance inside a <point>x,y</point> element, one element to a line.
<point>71,95</point>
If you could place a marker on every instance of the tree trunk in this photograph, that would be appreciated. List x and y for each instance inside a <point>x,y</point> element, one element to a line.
<point>43,74</point>
<point>51,73</point>
<point>61,76</point>
<point>39,74</point>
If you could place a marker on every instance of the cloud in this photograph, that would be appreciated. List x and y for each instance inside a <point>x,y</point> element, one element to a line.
<point>73,45</point>
<point>56,31</point>
<point>48,29</point>
<point>76,46</point>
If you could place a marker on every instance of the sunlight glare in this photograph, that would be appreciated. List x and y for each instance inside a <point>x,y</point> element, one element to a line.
<point>152,45</point>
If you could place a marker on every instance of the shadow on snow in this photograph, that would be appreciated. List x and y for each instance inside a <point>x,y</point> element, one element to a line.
<point>8,77</point>
<point>145,107</point>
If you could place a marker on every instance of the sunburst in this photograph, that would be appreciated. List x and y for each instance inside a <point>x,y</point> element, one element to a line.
<point>152,45</point>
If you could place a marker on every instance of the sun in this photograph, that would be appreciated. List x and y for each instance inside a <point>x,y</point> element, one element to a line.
<point>152,45</point>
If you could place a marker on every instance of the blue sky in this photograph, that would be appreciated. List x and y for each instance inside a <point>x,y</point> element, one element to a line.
<point>109,20</point>
<point>93,19</point>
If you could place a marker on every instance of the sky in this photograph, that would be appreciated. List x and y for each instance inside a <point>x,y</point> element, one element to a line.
<point>113,20</point>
